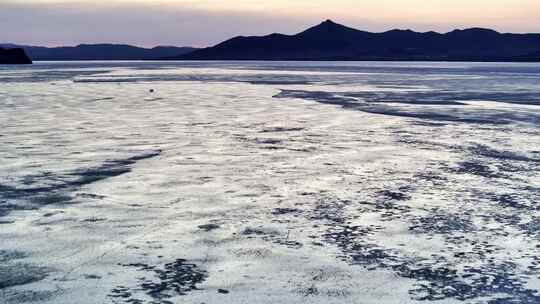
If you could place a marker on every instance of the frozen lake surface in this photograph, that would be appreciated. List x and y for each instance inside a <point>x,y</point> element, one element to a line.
<point>250,182</point>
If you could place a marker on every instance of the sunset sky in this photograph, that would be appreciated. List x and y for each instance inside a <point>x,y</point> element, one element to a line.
<point>206,22</point>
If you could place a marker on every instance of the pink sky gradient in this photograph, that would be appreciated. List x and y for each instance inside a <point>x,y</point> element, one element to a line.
<point>206,22</point>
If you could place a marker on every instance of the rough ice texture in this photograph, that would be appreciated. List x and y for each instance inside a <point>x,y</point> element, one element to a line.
<point>270,183</point>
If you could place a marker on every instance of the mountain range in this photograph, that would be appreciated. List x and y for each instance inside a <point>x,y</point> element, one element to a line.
<point>99,52</point>
<point>332,41</point>
<point>326,41</point>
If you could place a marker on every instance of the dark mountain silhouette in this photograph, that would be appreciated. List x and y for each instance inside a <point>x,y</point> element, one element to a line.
<point>100,52</point>
<point>332,41</point>
<point>13,56</point>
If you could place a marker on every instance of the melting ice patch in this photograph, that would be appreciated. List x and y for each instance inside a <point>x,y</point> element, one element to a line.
<point>422,105</point>
<point>48,188</point>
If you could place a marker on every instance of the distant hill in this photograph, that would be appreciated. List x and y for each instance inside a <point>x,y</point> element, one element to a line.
<point>332,41</point>
<point>100,52</point>
<point>13,56</point>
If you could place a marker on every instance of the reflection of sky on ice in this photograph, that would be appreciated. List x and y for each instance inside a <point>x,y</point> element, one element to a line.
<point>341,182</point>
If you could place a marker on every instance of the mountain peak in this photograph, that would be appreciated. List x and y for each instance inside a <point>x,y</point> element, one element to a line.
<point>400,31</point>
<point>330,24</point>
<point>327,27</point>
<point>475,30</point>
